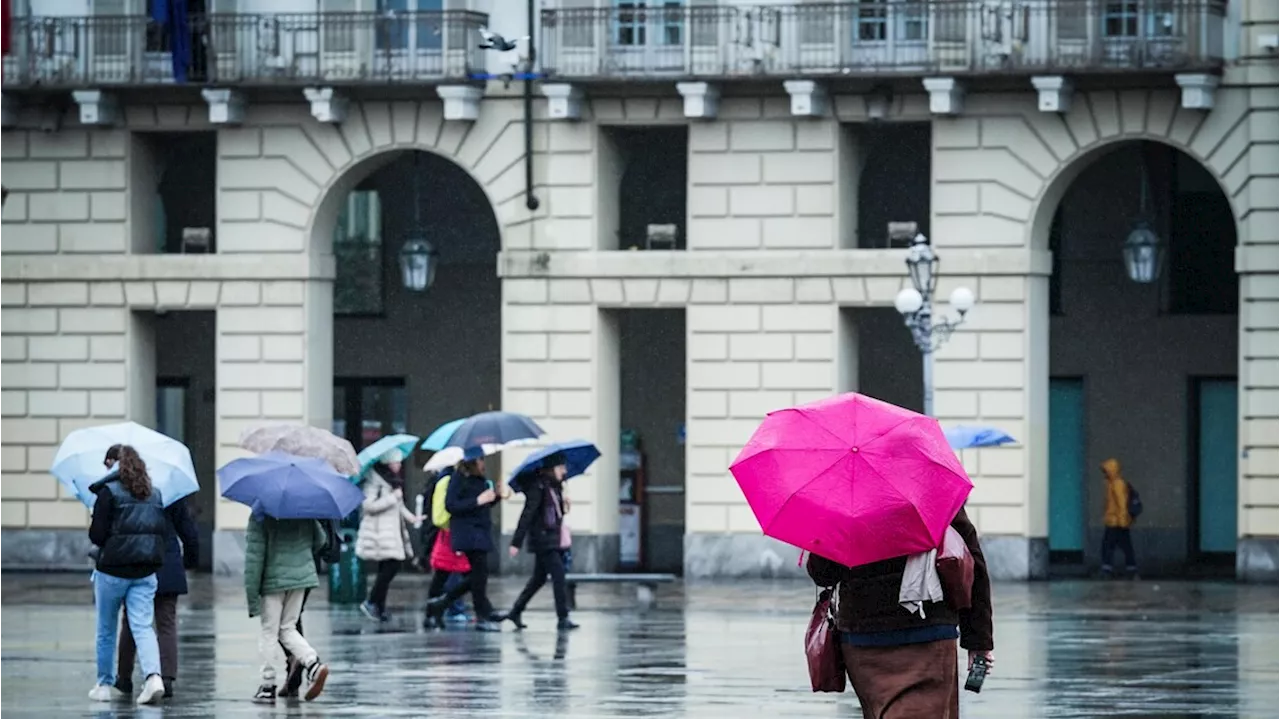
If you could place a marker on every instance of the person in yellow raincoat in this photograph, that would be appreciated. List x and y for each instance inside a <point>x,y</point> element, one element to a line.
<point>1116,521</point>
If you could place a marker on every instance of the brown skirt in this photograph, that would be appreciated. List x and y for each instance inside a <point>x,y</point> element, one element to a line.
<point>911,681</point>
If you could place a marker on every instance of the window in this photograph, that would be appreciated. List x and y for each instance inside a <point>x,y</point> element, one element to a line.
<point>357,249</point>
<point>630,28</point>
<point>871,21</point>
<point>368,408</point>
<point>1120,19</point>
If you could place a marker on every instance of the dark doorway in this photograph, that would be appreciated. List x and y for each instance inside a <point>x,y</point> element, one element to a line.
<point>651,358</point>
<point>186,358</point>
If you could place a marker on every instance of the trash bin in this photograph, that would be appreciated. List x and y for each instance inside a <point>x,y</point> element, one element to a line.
<point>346,578</point>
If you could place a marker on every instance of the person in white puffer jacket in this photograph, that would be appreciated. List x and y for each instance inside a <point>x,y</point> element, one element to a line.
<point>384,531</point>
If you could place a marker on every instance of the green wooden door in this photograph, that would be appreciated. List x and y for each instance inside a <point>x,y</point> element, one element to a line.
<point>1066,465</point>
<point>1216,467</point>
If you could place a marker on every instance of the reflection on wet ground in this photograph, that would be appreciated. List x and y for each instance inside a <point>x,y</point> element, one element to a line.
<point>1068,649</point>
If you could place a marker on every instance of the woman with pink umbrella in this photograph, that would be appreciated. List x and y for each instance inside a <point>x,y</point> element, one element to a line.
<point>866,487</point>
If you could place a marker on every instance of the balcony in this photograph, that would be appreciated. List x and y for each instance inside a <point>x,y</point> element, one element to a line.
<point>882,38</point>
<point>245,49</point>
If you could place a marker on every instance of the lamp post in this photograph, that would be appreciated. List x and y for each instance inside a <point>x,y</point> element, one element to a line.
<point>915,305</point>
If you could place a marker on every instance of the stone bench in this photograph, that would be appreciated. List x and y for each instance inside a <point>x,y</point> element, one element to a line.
<point>646,584</point>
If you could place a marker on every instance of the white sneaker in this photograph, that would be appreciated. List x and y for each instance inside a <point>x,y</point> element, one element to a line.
<point>152,690</point>
<point>104,693</point>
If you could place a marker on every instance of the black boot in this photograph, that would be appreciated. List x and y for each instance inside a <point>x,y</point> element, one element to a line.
<point>566,624</point>
<point>168,687</point>
<point>514,618</point>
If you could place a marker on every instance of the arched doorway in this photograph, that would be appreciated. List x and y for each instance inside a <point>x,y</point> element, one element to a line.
<point>409,360</point>
<point>1144,372</point>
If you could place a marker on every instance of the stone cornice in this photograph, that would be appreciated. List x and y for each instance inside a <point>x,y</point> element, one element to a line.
<point>108,268</point>
<point>770,263</point>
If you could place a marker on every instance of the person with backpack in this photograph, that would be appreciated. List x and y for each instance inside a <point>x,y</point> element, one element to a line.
<point>1123,505</point>
<point>469,498</point>
<point>447,571</point>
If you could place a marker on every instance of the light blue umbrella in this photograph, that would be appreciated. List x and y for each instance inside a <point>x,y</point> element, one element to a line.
<point>374,452</point>
<point>439,439</point>
<point>78,462</point>
<point>964,437</point>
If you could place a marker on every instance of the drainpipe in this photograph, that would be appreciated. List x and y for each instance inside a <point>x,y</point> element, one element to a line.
<point>530,201</point>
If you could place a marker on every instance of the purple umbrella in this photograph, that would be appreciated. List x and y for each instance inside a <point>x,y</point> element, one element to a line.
<point>287,487</point>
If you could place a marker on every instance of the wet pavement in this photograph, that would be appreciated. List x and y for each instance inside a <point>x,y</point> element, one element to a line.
<point>1064,649</point>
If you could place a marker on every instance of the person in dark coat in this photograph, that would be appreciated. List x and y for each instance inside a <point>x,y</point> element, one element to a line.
<point>469,499</point>
<point>171,583</point>
<point>540,531</point>
<point>130,529</point>
<point>903,665</point>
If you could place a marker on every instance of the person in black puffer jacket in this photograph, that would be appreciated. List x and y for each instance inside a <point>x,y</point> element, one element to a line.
<point>130,528</point>
<point>171,583</point>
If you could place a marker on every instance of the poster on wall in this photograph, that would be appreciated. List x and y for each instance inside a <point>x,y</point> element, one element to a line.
<point>629,535</point>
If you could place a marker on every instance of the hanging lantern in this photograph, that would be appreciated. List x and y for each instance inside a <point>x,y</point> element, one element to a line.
<point>418,260</point>
<point>1143,254</point>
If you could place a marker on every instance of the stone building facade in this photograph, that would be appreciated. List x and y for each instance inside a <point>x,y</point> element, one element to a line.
<point>768,275</point>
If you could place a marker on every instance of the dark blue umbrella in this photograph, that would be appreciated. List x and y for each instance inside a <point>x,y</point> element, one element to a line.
<point>577,455</point>
<point>494,428</point>
<point>287,487</point>
<point>966,437</point>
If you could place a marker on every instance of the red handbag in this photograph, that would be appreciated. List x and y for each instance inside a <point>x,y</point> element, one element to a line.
<point>822,648</point>
<point>444,558</point>
<point>955,570</point>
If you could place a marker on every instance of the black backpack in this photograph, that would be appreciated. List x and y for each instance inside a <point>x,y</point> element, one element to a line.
<point>1135,503</point>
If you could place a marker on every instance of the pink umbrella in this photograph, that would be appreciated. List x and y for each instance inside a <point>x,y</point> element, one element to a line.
<point>852,479</point>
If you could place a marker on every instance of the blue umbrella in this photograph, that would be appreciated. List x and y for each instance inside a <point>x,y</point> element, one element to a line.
<point>287,487</point>
<point>78,462</point>
<point>494,428</point>
<point>966,437</point>
<point>439,439</point>
<point>578,455</point>
<point>403,443</point>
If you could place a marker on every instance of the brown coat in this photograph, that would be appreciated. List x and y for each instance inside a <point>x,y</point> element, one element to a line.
<point>868,596</point>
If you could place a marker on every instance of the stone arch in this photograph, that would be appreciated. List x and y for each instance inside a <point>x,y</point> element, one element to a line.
<point>1100,121</point>
<point>490,151</point>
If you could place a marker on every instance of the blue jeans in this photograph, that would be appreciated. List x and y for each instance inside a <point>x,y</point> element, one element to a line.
<point>138,597</point>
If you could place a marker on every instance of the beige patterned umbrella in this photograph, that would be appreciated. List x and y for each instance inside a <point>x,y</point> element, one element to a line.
<point>302,441</point>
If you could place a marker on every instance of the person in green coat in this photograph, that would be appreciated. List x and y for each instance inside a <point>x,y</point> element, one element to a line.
<point>279,568</point>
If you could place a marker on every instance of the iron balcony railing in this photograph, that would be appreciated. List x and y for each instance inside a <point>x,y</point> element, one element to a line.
<point>653,38</point>
<point>266,49</point>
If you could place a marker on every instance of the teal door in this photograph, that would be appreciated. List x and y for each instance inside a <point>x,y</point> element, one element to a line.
<point>1216,452</point>
<point>1066,465</point>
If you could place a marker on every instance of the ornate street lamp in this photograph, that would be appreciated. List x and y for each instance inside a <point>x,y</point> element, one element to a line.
<point>1143,250</point>
<point>914,303</point>
<point>418,257</point>
<point>1143,254</point>
<point>418,261</point>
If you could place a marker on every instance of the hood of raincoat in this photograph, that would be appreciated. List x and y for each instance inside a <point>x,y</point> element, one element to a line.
<point>1111,468</point>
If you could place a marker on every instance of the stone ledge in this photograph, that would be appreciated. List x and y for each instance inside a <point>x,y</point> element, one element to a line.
<point>768,263</point>
<point>43,550</point>
<point>1014,558</point>
<point>89,268</point>
<point>739,556</point>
